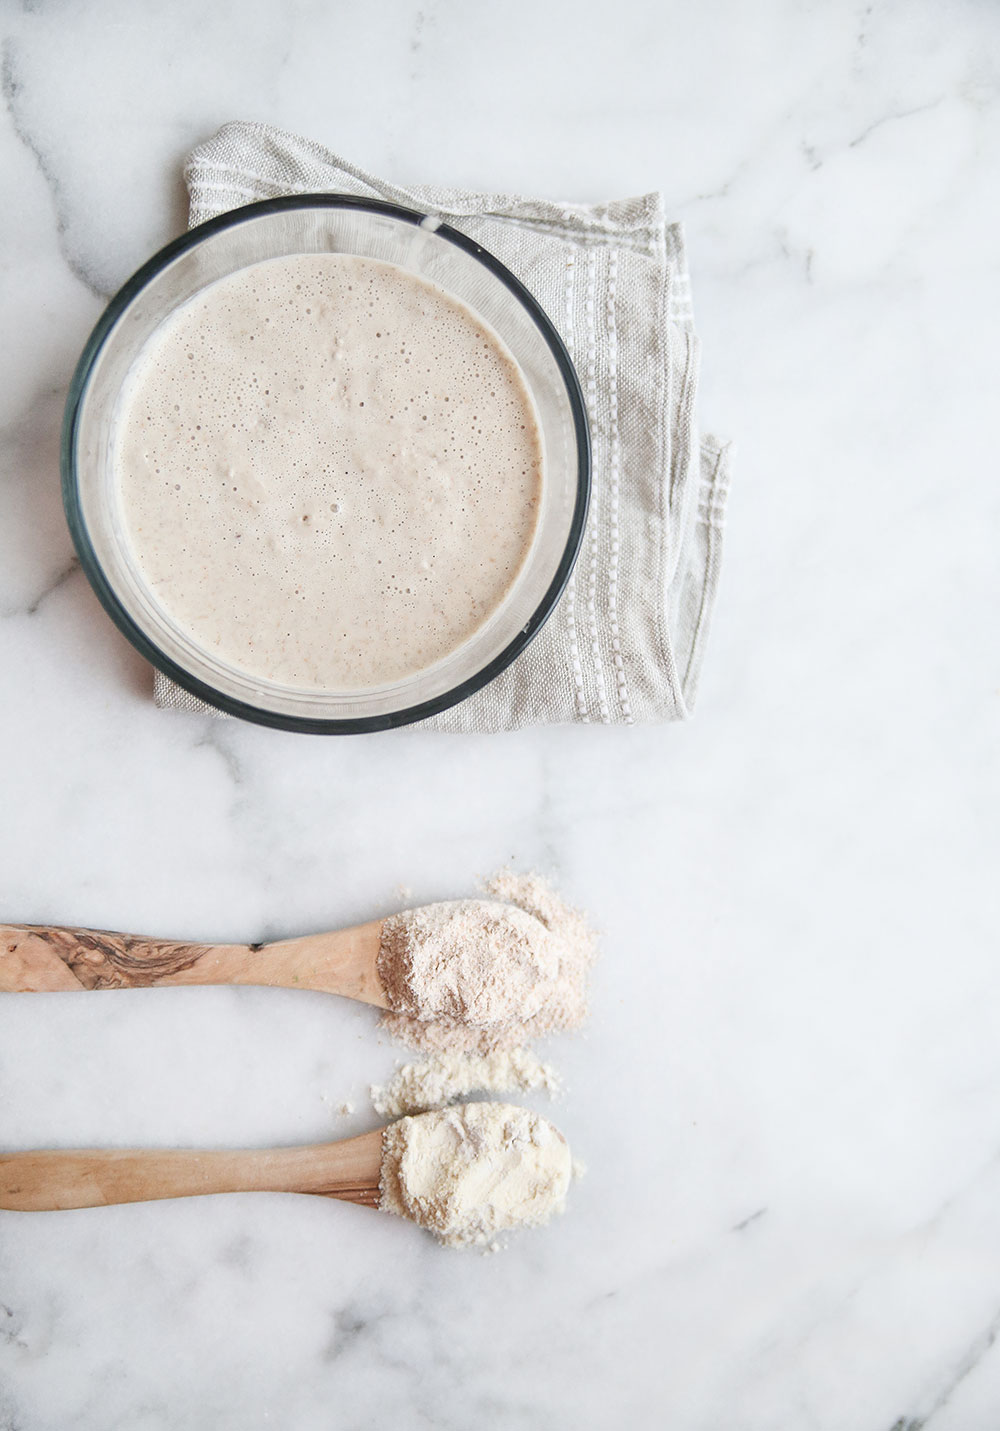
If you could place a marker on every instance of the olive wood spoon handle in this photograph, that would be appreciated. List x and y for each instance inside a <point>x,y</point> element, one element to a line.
<point>49,1181</point>
<point>39,958</point>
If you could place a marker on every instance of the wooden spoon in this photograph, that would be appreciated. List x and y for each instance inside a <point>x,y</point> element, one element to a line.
<point>48,1181</point>
<point>39,958</point>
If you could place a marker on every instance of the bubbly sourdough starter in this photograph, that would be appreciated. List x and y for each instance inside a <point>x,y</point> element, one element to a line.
<point>329,470</point>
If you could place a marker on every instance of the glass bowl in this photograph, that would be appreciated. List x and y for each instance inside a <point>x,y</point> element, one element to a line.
<point>323,223</point>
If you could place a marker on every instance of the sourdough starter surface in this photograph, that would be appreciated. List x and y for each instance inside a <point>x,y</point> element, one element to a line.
<point>329,469</point>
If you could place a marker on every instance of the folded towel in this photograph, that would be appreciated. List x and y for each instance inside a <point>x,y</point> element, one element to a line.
<point>625,642</point>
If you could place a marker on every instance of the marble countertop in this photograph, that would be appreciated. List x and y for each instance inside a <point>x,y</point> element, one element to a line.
<point>788,1098</point>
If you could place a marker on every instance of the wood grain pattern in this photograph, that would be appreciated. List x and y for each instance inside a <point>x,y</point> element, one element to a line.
<point>98,958</point>
<point>45,959</point>
<point>364,1196</point>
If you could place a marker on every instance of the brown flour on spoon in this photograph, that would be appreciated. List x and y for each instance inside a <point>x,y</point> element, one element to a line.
<point>479,975</point>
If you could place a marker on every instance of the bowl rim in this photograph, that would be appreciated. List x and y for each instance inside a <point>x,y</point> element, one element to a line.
<point>315,725</point>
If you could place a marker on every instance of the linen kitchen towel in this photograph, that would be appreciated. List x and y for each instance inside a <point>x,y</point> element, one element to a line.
<point>626,641</point>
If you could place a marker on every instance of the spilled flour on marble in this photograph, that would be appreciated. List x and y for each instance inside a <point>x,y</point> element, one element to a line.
<point>445,1077</point>
<point>471,1172</point>
<point>477,975</point>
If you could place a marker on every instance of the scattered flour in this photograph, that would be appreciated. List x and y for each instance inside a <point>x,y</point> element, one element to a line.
<point>470,1172</point>
<point>444,1077</point>
<point>478,975</point>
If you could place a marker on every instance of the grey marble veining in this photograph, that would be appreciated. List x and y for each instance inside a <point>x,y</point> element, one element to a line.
<point>788,1098</point>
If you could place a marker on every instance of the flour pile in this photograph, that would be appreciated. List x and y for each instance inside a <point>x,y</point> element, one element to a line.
<point>479,975</point>
<point>470,1172</point>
